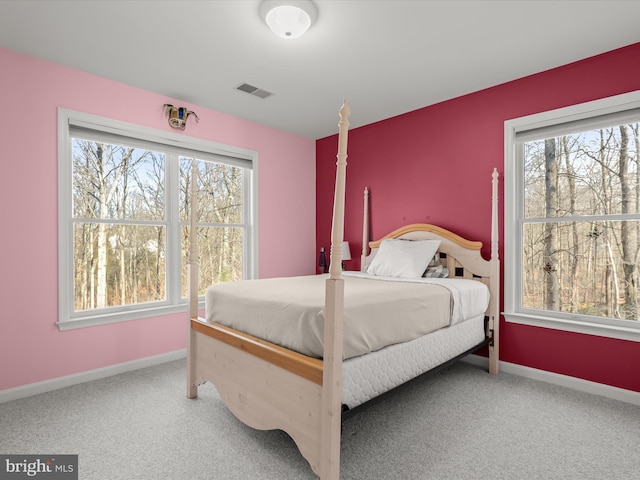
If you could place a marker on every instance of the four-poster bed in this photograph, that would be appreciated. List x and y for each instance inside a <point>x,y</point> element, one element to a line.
<point>268,386</point>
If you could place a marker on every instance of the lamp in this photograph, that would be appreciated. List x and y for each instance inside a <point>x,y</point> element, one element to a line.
<point>288,18</point>
<point>322,261</point>
<point>346,252</point>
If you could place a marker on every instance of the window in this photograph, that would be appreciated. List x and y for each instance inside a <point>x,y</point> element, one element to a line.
<point>124,215</point>
<point>572,218</point>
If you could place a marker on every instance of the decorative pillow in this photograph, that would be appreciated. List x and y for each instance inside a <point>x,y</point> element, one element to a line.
<point>403,258</point>
<point>436,272</point>
<point>435,261</point>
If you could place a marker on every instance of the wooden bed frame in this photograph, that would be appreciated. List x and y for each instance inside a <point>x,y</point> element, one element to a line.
<point>270,387</point>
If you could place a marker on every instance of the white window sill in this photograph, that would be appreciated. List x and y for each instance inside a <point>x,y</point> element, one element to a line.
<point>105,319</point>
<point>578,325</point>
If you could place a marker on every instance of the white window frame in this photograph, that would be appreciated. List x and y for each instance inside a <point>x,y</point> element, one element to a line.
<point>178,144</point>
<point>585,115</point>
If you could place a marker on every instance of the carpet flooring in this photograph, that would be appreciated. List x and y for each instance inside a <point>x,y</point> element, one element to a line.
<point>458,424</point>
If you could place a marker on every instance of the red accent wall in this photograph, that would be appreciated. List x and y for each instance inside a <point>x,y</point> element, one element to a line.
<point>434,165</point>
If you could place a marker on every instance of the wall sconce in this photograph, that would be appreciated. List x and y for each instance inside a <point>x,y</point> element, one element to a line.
<point>288,18</point>
<point>178,116</point>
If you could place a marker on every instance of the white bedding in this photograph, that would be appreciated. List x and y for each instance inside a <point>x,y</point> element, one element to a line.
<point>379,311</point>
<point>468,297</point>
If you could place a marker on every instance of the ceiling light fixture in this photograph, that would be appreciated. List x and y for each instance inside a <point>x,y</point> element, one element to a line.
<point>288,18</point>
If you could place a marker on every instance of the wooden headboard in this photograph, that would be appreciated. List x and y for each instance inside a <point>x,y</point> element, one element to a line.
<point>461,256</point>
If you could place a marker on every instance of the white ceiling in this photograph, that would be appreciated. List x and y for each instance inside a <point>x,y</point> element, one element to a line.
<point>387,57</point>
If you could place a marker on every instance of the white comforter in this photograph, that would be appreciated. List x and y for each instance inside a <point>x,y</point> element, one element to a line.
<point>379,311</point>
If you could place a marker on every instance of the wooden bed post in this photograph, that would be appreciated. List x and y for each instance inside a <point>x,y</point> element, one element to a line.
<point>365,231</point>
<point>331,413</point>
<point>192,289</point>
<point>494,325</point>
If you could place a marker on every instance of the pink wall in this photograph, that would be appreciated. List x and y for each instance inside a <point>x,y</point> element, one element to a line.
<point>32,348</point>
<point>434,165</point>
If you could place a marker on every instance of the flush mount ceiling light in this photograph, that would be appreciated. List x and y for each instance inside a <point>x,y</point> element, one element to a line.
<point>288,18</point>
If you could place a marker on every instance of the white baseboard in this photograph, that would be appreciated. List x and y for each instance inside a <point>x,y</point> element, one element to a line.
<point>594,388</point>
<point>535,374</point>
<point>75,379</point>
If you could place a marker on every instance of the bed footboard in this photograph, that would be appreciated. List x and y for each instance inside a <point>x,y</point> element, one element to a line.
<point>265,386</point>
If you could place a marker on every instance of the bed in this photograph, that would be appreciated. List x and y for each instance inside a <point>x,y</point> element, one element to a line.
<point>305,383</point>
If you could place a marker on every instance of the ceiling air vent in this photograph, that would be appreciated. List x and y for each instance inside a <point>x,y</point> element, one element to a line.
<point>250,89</point>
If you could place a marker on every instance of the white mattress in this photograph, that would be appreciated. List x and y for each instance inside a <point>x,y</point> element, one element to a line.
<point>368,376</point>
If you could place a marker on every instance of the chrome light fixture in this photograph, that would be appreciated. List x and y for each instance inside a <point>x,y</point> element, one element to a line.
<point>288,18</point>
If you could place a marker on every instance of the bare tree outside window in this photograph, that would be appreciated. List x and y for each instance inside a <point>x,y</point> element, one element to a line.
<point>124,207</point>
<point>220,221</point>
<point>580,234</point>
<point>120,223</point>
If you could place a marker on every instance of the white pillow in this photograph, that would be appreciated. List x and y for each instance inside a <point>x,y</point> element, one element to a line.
<point>403,258</point>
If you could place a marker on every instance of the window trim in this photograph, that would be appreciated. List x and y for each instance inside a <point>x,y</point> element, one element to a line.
<point>68,119</point>
<point>583,114</point>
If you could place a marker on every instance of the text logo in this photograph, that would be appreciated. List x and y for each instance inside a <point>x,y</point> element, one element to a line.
<point>49,467</point>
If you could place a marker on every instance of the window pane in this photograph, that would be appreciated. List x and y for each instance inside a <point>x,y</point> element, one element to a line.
<point>117,182</point>
<point>220,252</point>
<point>590,173</point>
<point>118,264</point>
<point>125,198</point>
<point>219,192</point>
<point>581,267</point>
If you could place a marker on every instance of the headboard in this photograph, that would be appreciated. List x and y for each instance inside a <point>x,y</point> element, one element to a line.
<point>461,256</point>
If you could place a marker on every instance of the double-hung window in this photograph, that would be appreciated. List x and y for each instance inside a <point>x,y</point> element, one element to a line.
<point>572,218</point>
<point>125,195</point>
